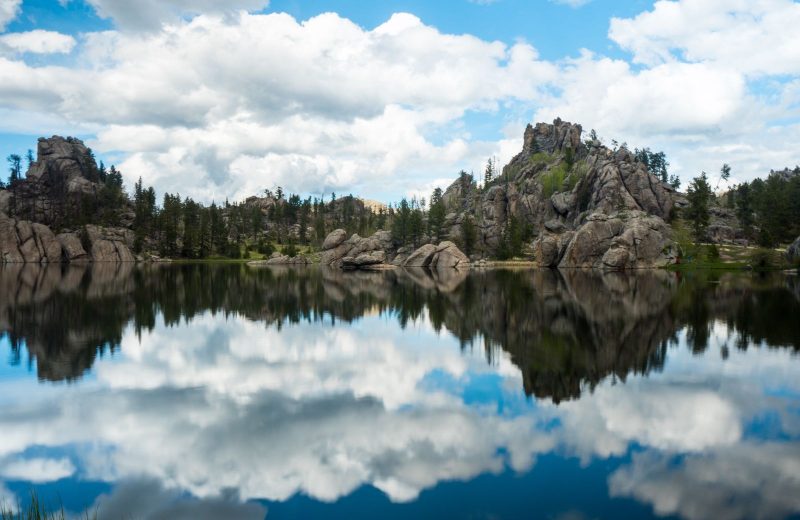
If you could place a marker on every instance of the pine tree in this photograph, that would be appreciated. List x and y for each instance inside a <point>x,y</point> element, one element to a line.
<point>699,194</point>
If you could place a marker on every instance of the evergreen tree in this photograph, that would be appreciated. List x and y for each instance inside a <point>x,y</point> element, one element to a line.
<point>699,195</point>
<point>436,215</point>
<point>489,172</point>
<point>14,168</point>
<point>469,235</point>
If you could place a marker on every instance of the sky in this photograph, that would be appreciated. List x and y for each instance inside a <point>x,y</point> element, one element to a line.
<point>217,100</point>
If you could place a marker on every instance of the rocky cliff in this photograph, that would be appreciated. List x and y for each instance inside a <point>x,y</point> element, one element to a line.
<point>24,242</point>
<point>62,184</point>
<point>61,187</point>
<point>585,204</point>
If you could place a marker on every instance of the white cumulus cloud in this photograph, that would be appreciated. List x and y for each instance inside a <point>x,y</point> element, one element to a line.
<point>9,9</point>
<point>38,42</point>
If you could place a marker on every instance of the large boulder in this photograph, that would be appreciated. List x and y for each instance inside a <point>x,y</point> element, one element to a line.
<point>109,244</point>
<point>448,256</point>
<point>334,239</point>
<point>625,240</point>
<point>9,242</point>
<point>336,250</point>
<point>364,260</point>
<point>793,252</point>
<point>71,248</point>
<point>422,257</point>
<point>23,242</point>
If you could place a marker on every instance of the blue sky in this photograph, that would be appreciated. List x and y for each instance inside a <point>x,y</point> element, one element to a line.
<point>393,98</point>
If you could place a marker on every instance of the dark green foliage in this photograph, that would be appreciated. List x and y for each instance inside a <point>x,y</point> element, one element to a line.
<point>265,248</point>
<point>656,163</point>
<point>14,168</point>
<point>436,215</point>
<point>290,250</point>
<point>769,210</point>
<point>699,195</point>
<point>515,236</point>
<point>469,235</point>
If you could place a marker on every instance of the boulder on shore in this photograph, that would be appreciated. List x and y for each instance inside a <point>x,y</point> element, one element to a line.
<point>358,251</point>
<point>444,256</point>
<point>25,242</point>
<point>422,257</point>
<point>623,240</point>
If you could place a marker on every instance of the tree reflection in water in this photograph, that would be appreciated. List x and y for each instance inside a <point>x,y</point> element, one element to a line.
<point>565,330</point>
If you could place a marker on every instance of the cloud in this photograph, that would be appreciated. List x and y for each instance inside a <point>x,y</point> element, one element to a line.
<point>37,470</point>
<point>572,3</point>
<point>753,37</point>
<point>9,9</point>
<point>142,498</point>
<point>151,14</point>
<point>222,104</point>
<point>750,480</point>
<point>228,411</point>
<point>38,42</point>
<point>319,105</point>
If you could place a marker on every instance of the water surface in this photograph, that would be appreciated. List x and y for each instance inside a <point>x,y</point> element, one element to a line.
<point>200,391</point>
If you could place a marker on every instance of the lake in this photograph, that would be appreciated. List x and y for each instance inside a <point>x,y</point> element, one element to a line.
<point>226,391</point>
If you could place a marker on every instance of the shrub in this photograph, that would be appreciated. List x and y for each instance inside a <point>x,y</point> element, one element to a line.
<point>290,250</point>
<point>553,180</point>
<point>265,248</point>
<point>540,159</point>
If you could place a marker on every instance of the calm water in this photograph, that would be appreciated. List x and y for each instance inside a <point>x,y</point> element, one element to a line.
<point>232,392</point>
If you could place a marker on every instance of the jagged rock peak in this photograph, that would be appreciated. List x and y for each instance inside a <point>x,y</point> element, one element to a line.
<point>63,156</point>
<point>552,138</point>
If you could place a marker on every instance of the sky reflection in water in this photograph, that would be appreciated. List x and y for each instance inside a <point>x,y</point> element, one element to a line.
<point>208,392</point>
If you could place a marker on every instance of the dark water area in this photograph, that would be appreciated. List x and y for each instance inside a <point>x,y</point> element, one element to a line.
<point>225,391</point>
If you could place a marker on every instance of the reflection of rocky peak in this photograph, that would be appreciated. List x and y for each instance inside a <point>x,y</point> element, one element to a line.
<point>565,330</point>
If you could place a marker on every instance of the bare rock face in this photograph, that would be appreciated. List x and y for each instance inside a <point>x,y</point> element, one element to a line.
<point>364,260</point>
<point>23,242</point>
<point>64,157</point>
<point>625,240</point>
<point>444,256</point>
<point>279,259</point>
<point>422,257</point>
<point>110,244</point>
<point>336,250</point>
<point>554,188</point>
<point>334,239</point>
<point>72,249</point>
<point>57,185</point>
<point>793,252</point>
<point>448,256</point>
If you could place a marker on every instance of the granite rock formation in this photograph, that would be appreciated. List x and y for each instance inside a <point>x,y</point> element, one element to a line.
<point>587,205</point>
<point>24,242</point>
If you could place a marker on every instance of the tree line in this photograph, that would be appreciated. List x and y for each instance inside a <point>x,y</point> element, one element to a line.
<point>767,210</point>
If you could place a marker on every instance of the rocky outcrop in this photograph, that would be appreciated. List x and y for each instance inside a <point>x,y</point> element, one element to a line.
<point>793,252</point>
<point>422,257</point>
<point>357,250</point>
<point>109,244</point>
<point>71,248</point>
<point>444,256</point>
<point>625,240</point>
<point>59,186</point>
<point>280,259</point>
<point>25,242</point>
<point>583,203</point>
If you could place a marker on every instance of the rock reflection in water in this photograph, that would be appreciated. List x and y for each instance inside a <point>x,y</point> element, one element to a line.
<point>564,330</point>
